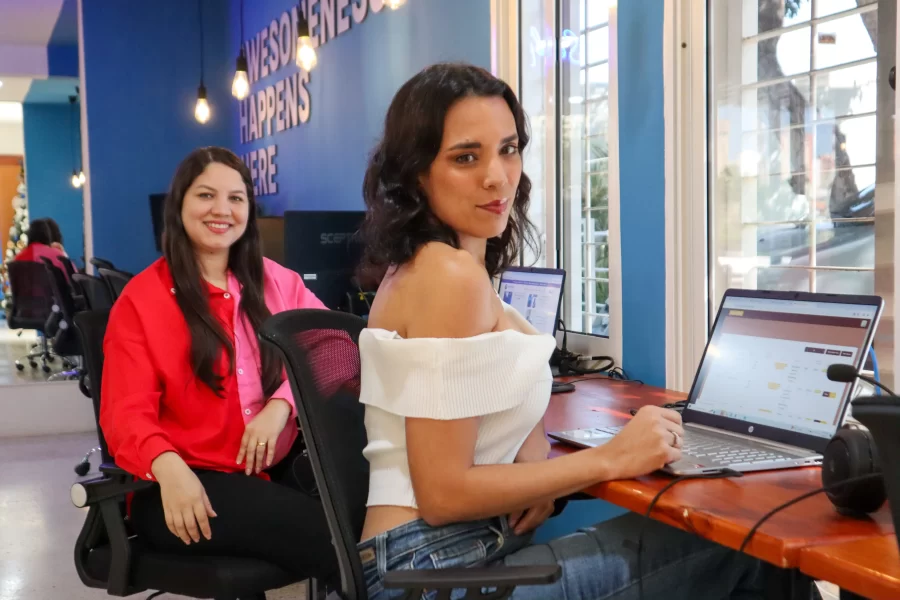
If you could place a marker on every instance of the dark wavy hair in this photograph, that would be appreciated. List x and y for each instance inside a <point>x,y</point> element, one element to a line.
<point>40,232</point>
<point>245,261</point>
<point>55,231</point>
<point>399,221</point>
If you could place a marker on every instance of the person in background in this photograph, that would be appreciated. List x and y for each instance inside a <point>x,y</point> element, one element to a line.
<point>456,383</point>
<point>44,241</point>
<point>190,398</point>
<point>56,235</point>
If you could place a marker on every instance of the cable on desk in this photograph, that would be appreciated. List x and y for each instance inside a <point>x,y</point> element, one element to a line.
<point>799,498</point>
<point>724,473</point>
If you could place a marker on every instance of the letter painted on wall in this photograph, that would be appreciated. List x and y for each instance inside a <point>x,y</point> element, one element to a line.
<point>276,107</point>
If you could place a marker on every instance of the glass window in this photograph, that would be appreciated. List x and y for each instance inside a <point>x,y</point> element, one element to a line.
<point>793,145</point>
<point>584,81</point>
<point>570,135</point>
<point>537,81</point>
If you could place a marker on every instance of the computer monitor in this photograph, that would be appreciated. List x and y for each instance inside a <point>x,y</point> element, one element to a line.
<point>324,248</point>
<point>536,294</point>
<point>271,236</point>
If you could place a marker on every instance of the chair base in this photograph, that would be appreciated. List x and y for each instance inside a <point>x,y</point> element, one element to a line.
<point>84,467</point>
<point>40,352</point>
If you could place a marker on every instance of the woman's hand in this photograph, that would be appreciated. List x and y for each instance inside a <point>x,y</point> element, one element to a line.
<point>650,441</point>
<point>184,500</point>
<point>262,433</point>
<point>59,247</point>
<point>535,449</point>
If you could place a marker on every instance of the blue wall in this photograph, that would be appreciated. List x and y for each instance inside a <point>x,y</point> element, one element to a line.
<point>142,69</point>
<point>642,185</point>
<point>321,162</point>
<point>49,133</point>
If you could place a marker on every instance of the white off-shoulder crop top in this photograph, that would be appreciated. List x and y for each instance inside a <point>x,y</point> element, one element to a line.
<point>503,377</point>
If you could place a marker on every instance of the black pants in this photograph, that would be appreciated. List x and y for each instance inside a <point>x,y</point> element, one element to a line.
<point>273,520</point>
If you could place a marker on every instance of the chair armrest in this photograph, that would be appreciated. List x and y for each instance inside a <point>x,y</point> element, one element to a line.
<point>113,470</point>
<point>473,578</point>
<point>95,491</point>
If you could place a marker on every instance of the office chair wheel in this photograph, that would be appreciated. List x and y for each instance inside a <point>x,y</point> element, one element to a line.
<point>32,364</point>
<point>45,368</point>
<point>50,358</point>
<point>82,468</point>
<point>20,366</point>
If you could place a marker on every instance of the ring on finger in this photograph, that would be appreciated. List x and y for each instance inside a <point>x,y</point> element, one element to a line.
<point>676,441</point>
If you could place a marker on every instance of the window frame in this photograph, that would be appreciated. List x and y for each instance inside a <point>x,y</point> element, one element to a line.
<point>689,123</point>
<point>558,244</point>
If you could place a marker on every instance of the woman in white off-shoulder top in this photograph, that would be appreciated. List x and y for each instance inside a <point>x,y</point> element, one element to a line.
<point>456,383</point>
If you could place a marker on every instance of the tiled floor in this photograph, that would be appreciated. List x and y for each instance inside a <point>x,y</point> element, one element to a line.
<point>39,525</point>
<point>12,348</point>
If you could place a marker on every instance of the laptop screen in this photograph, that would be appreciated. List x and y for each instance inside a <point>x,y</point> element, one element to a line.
<point>536,294</point>
<point>767,359</point>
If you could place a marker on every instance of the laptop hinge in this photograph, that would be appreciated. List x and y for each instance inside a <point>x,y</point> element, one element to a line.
<point>749,438</point>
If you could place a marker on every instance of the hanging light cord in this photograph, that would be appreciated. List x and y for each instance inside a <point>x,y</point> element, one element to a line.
<point>200,17</point>
<point>72,130</point>
<point>241,44</point>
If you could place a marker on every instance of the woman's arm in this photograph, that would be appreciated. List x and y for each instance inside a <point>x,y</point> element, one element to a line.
<point>455,300</point>
<point>129,412</point>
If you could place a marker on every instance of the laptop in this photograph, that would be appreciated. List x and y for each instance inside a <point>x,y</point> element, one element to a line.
<point>536,293</point>
<point>761,399</point>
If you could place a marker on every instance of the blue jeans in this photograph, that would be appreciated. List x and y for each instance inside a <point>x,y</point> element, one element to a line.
<point>597,563</point>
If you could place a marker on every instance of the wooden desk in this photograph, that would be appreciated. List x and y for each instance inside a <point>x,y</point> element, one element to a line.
<point>721,510</point>
<point>868,567</point>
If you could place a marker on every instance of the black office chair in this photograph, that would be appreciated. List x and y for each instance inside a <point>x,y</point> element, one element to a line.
<point>31,307</point>
<point>68,265</point>
<point>95,291</point>
<point>65,342</point>
<point>322,358</point>
<point>881,415</point>
<point>108,555</point>
<point>115,281</point>
<point>101,263</point>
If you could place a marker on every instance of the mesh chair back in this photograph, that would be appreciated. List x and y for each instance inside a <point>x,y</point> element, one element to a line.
<point>62,291</point>
<point>96,294</point>
<point>115,281</point>
<point>91,328</point>
<point>68,265</point>
<point>321,354</point>
<point>32,296</point>
<point>65,342</point>
<point>881,415</point>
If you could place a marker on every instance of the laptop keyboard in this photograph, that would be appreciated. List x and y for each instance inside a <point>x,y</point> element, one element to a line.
<point>715,450</point>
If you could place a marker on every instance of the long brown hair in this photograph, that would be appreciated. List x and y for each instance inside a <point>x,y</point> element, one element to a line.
<point>399,220</point>
<point>245,261</point>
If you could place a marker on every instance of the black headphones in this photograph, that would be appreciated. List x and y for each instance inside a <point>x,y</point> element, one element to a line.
<point>852,453</point>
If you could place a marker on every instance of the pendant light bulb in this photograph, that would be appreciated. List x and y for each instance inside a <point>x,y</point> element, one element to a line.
<point>306,54</point>
<point>81,177</point>
<point>76,182</point>
<point>395,4</point>
<point>240,87</point>
<point>201,110</point>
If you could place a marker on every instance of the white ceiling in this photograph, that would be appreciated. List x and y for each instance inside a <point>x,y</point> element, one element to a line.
<point>14,88</point>
<point>10,112</point>
<point>26,27</point>
<point>28,21</point>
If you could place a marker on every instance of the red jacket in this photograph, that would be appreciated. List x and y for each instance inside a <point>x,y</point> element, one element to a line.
<point>152,403</point>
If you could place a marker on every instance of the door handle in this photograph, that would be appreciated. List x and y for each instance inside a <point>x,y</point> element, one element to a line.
<point>892,78</point>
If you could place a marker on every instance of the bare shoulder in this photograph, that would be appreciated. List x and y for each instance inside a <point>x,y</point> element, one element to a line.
<point>451,292</point>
